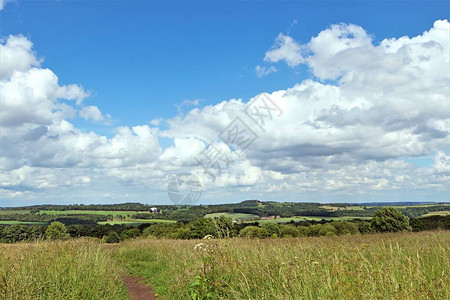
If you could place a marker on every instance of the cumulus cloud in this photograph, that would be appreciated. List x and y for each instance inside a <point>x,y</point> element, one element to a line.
<point>387,102</point>
<point>286,49</point>
<point>16,55</point>
<point>91,113</point>
<point>390,101</point>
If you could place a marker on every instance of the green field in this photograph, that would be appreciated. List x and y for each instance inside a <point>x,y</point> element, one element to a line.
<point>438,213</point>
<point>136,222</point>
<point>406,206</point>
<point>372,266</point>
<point>337,208</point>
<point>308,218</point>
<point>22,223</point>
<point>91,212</point>
<point>234,216</point>
<point>13,211</point>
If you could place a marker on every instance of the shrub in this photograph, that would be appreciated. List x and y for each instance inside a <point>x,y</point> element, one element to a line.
<point>249,232</point>
<point>288,231</point>
<point>112,237</point>
<point>272,229</point>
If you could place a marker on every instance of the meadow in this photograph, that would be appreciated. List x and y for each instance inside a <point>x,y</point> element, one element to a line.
<point>135,221</point>
<point>438,213</point>
<point>13,211</point>
<point>21,223</point>
<point>307,218</point>
<point>75,269</point>
<point>377,266</point>
<point>90,212</point>
<point>234,216</point>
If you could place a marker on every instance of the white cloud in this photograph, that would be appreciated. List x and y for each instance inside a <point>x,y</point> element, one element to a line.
<point>286,49</point>
<point>3,3</point>
<point>264,71</point>
<point>388,102</point>
<point>16,55</point>
<point>187,103</point>
<point>91,113</point>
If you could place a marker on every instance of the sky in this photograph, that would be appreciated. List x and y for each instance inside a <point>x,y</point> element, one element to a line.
<point>317,101</point>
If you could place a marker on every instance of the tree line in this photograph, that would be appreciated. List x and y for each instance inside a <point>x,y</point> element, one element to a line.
<point>384,220</point>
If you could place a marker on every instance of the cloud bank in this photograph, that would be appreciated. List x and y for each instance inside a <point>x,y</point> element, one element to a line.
<point>352,129</point>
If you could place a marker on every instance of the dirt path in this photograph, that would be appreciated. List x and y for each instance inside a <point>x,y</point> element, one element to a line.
<point>137,290</point>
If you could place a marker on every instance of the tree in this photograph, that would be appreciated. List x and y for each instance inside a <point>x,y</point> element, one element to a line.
<point>56,231</point>
<point>112,237</point>
<point>389,219</point>
<point>130,234</point>
<point>224,226</point>
<point>201,228</point>
<point>272,229</point>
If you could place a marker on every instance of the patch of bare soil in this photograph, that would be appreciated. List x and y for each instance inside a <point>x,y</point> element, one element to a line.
<point>137,290</point>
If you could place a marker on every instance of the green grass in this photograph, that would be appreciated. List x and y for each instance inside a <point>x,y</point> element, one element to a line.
<point>77,269</point>
<point>13,211</point>
<point>91,212</point>
<point>406,206</point>
<point>438,213</point>
<point>307,218</point>
<point>379,266</point>
<point>234,216</point>
<point>339,208</point>
<point>136,221</point>
<point>22,223</point>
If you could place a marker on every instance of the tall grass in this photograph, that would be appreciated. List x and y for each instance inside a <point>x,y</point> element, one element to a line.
<point>382,266</point>
<point>77,269</point>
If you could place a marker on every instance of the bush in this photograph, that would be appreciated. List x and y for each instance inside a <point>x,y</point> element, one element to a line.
<point>345,227</point>
<point>272,229</point>
<point>288,231</point>
<point>112,238</point>
<point>365,228</point>
<point>249,232</point>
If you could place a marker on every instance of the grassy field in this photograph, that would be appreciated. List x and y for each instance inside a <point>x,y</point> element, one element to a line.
<point>13,211</point>
<point>336,208</point>
<point>307,218</point>
<point>78,269</point>
<point>21,223</point>
<point>234,216</point>
<point>91,212</point>
<point>381,266</point>
<point>406,206</point>
<point>136,221</point>
<point>438,213</point>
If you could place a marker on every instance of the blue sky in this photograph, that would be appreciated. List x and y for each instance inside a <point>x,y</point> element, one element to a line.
<point>141,60</point>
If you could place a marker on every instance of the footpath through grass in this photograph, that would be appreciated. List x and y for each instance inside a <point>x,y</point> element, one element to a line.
<point>381,266</point>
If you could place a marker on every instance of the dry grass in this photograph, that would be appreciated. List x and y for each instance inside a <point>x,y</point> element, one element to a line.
<point>77,269</point>
<point>382,266</point>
